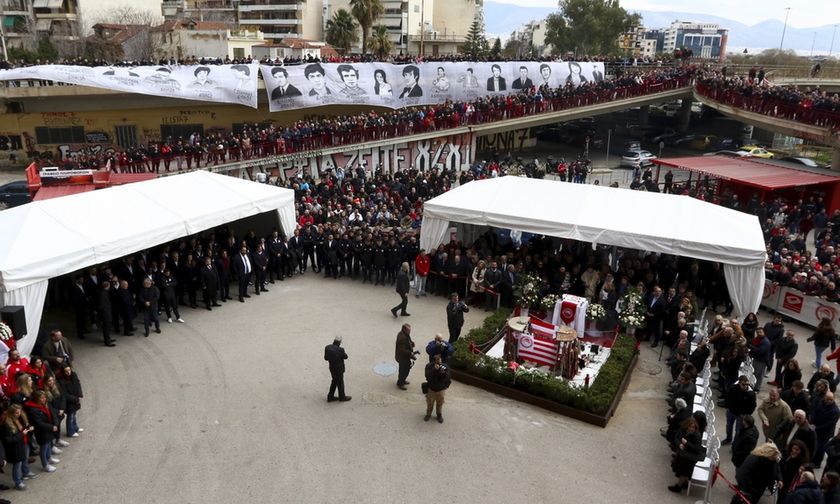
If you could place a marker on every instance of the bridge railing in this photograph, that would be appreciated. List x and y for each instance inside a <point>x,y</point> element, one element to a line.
<point>480,112</point>
<point>803,112</point>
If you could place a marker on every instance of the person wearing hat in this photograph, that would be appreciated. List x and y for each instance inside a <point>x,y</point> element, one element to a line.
<point>336,356</point>
<point>455,310</point>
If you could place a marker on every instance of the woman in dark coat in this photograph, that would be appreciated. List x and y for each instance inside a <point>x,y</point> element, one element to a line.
<point>14,433</point>
<point>689,451</point>
<point>790,374</point>
<point>749,326</point>
<point>42,417</point>
<point>69,383</point>
<point>823,337</point>
<point>797,457</point>
<point>759,472</point>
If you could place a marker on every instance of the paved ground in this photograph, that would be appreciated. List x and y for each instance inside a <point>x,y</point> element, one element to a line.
<point>230,407</point>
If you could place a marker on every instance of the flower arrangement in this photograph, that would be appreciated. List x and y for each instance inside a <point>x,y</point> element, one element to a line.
<point>548,302</point>
<point>527,291</point>
<point>632,310</point>
<point>596,311</point>
<point>5,332</point>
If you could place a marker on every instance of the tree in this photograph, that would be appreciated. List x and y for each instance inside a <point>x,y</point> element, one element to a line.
<point>341,31</point>
<point>588,27</point>
<point>380,44</point>
<point>475,45</point>
<point>140,44</point>
<point>496,52</point>
<point>513,48</point>
<point>366,13</point>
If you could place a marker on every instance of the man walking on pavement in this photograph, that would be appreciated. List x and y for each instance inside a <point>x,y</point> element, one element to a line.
<point>404,354</point>
<point>336,356</point>
<point>403,286</point>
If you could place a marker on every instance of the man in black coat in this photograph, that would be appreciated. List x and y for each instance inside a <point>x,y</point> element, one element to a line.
<point>148,297</point>
<point>242,265</point>
<point>745,440</point>
<point>167,284</point>
<point>105,313</point>
<point>126,308</point>
<point>803,431</point>
<point>331,256</point>
<point>380,261</point>
<point>403,286</point>
<point>275,257</point>
<point>336,356</point>
<point>455,311</point>
<point>507,285</point>
<point>209,283</point>
<point>740,400</point>
<point>260,259</point>
<point>653,316</point>
<point>785,350</point>
<point>492,281</point>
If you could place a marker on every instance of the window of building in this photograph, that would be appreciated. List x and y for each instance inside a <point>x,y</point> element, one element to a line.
<point>66,135</point>
<point>416,8</point>
<point>238,53</point>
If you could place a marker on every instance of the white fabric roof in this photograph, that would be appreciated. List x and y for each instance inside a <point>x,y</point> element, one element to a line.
<point>44,239</point>
<point>654,222</point>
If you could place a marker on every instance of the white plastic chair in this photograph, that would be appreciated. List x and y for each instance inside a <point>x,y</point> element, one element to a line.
<point>702,476</point>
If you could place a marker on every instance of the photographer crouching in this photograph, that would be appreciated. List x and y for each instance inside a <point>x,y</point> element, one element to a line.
<point>439,347</point>
<point>437,381</point>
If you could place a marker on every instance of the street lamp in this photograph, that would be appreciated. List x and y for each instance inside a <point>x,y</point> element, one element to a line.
<point>813,41</point>
<point>831,48</point>
<point>782,43</point>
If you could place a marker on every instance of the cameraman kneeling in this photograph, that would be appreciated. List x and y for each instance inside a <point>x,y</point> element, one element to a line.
<point>438,379</point>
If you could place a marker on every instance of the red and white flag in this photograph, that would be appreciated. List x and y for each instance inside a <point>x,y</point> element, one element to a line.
<point>537,349</point>
<point>543,329</point>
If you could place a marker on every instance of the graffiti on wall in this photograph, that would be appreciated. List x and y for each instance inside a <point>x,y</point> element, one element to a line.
<point>507,140</point>
<point>77,151</point>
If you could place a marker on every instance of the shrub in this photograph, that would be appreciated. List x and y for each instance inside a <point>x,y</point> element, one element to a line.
<point>595,399</point>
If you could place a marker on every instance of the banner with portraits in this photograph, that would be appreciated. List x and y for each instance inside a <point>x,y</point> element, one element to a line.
<point>396,86</point>
<point>213,83</point>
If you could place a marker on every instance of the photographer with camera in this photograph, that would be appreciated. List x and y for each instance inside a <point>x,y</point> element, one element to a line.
<point>455,311</point>
<point>437,381</point>
<point>439,347</point>
<point>404,354</point>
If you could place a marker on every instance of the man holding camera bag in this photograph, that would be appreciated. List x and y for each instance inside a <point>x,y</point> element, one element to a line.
<point>404,354</point>
<point>438,380</point>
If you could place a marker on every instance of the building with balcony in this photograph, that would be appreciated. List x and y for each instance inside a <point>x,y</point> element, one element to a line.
<point>281,19</point>
<point>204,39</point>
<point>17,22</point>
<point>202,10</point>
<point>706,40</point>
<point>636,44</point>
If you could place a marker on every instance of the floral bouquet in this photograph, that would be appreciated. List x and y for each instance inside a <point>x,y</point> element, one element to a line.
<point>527,291</point>
<point>548,302</point>
<point>596,311</point>
<point>632,310</point>
<point>630,319</point>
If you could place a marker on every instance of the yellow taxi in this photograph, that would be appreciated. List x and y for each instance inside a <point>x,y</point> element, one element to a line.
<point>756,151</point>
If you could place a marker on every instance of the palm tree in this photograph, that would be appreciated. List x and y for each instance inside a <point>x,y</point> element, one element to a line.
<point>341,31</point>
<point>380,44</point>
<point>366,12</point>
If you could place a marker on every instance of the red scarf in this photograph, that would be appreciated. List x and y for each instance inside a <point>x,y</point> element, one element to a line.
<point>41,407</point>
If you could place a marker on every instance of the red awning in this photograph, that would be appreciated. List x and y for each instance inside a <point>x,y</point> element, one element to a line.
<point>49,192</point>
<point>128,178</point>
<point>750,172</point>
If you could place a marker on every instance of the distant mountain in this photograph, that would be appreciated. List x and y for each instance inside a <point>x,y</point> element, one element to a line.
<point>501,19</point>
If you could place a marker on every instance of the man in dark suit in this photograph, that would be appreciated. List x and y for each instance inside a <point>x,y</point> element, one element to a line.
<point>455,311</point>
<point>403,286</point>
<point>126,308</point>
<point>331,253</point>
<point>523,82</point>
<point>492,281</point>
<point>507,285</point>
<point>105,312</point>
<point>243,267</point>
<point>275,259</point>
<point>80,306</point>
<point>284,90</point>
<point>296,249</point>
<point>496,83</point>
<point>92,285</point>
<point>653,317</point>
<point>209,278</point>
<point>411,74</point>
<point>260,259</point>
<point>148,298</point>
<point>336,356</point>
<point>804,432</point>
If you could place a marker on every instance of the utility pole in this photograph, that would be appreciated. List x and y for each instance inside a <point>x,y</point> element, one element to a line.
<point>831,48</point>
<point>422,27</point>
<point>782,43</point>
<point>813,41</point>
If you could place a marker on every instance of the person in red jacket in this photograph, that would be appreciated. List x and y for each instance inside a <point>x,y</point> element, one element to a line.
<point>421,271</point>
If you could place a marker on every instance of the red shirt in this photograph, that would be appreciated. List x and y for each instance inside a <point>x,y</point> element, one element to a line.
<point>422,265</point>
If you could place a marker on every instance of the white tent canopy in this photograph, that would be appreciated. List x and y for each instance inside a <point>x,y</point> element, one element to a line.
<point>45,239</point>
<point>652,222</point>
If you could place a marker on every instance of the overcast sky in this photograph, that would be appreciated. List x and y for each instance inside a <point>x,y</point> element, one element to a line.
<point>803,13</point>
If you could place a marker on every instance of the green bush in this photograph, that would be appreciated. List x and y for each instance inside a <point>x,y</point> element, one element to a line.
<point>595,399</point>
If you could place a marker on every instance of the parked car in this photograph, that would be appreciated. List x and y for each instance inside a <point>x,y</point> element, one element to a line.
<point>810,163</point>
<point>665,135</point>
<point>14,193</point>
<point>636,159</point>
<point>725,143</point>
<point>756,151</point>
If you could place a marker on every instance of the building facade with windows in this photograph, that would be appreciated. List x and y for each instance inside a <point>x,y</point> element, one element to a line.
<point>706,40</point>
